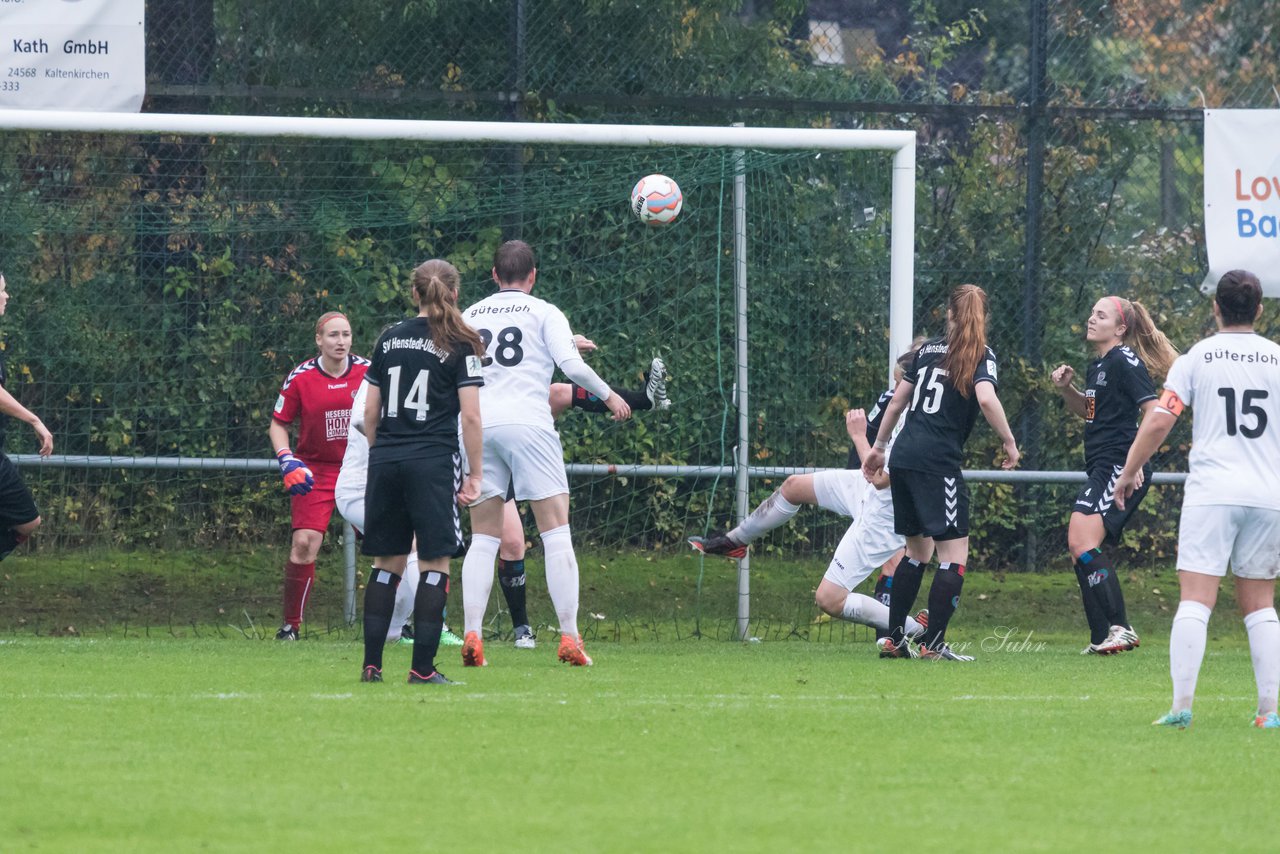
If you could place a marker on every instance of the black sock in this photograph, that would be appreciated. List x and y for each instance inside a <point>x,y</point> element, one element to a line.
<point>881,595</point>
<point>944,599</point>
<point>428,620</point>
<point>1106,587</point>
<point>379,602</point>
<point>512,578</point>
<point>902,595</point>
<point>1093,613</point>
<point>580,398</point>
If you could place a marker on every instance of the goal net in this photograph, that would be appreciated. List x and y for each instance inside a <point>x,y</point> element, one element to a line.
<point>165,280</point>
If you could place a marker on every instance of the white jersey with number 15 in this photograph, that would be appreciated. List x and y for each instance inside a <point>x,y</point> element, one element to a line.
<point>526,338</point>
<point>1232,380</point>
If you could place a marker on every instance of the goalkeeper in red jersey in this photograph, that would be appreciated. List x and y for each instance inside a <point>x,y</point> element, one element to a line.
<point>317,395</point>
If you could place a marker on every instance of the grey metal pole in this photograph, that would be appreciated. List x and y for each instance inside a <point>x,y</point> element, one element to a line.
<point>349,580</point>
<point>743,479</point>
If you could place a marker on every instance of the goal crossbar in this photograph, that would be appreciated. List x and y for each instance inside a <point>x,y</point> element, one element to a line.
<point>901,143</point>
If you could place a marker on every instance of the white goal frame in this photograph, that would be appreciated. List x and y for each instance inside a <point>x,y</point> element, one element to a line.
<point>901,143</point>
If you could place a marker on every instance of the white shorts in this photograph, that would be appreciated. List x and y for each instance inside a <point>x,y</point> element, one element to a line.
<point>841,491</point>
<point>869,542</point>
<point>351,507</point>
<point>529,457</point>
<point>1210,536</point>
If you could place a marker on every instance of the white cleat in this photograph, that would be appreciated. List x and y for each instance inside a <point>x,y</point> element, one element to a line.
<point>1120,639</point>
<point>655,386</point>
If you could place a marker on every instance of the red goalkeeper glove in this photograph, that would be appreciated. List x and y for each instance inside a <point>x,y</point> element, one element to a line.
<point>298,479</point>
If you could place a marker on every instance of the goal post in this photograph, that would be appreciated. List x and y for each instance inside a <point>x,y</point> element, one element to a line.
<point>758,186</point>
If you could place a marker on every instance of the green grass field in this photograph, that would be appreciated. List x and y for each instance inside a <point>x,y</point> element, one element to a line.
<point>217,744</point>
<point>143,710</point>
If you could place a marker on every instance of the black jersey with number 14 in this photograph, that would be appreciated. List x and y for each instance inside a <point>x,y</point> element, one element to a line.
<point>938,419</point>
<point>419,384</point>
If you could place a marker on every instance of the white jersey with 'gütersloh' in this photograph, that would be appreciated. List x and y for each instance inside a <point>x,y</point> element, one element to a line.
<point>1232,381</point>
<point>526,338</point>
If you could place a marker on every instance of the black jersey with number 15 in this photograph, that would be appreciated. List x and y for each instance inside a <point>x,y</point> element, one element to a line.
<point>419,385</point>
<point>938,419</point>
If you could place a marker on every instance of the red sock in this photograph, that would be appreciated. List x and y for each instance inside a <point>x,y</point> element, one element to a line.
<point>298,578</point>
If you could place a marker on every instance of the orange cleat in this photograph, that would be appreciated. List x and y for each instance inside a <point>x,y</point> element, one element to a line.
<point>473,651</point>
<point>571,651</point>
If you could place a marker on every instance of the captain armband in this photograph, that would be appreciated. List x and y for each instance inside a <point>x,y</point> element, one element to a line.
<point>1170,402</point>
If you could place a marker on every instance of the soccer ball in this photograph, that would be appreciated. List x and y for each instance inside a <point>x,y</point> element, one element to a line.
<point>656,200</point>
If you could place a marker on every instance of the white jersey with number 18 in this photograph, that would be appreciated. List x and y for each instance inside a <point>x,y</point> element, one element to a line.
<point>526,338</point>
<point>1232,379</point>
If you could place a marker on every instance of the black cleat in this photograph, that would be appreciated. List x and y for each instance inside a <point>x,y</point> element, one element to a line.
<point>287,633</point>
<point>718,544</point>
<point>407,631</point>
<point>436,678</point>
<point>942,652</point>
<point>371,674</point>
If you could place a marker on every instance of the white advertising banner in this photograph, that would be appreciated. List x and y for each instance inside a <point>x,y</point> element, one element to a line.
<point>1242,195</point>
<point>72,54</point>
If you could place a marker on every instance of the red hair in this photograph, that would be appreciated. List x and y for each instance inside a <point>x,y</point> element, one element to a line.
<point>966,336</point>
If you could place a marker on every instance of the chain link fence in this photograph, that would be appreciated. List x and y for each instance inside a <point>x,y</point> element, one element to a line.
<point>1060,161</point>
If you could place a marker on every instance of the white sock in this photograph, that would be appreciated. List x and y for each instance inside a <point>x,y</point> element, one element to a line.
<point>1186,650</point>
<point>1263,627</point>
<point>869,612</point>
<point>405,594</point>
<point>562,577</point>
<point>477,580</point>
<point>773,512</point>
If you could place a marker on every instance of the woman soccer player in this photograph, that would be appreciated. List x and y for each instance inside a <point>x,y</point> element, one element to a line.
<point>1231,503</point>
<point>511,551</point>
<point>950,379</point>
<point>19,517</point>
<point>870,540</point>
<point>1117,388</point>
<point>349,493</point>
<point>317,395</point>
<point>424,383</point>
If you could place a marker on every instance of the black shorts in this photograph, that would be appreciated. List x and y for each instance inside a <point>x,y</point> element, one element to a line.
<point>929,505</point>
<point>17,507</point>
<point>415,497</point>
<point>1097,498</point>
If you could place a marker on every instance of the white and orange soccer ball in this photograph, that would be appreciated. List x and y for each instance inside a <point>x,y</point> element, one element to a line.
<point>656,200</point>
